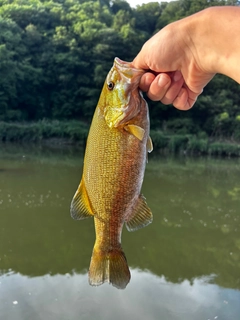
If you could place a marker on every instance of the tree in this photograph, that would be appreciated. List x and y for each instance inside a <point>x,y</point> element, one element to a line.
<point>55,55</point>
<point>146,17</point>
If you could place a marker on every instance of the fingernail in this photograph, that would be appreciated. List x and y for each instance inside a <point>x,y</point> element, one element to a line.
<point>177,76</point>
<point>163,80</point>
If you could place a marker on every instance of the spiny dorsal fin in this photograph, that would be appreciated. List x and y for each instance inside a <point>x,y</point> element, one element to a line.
<point>80,206</point>
<point>137,131</point>
<point>149,144</point>
<point>140,217</point>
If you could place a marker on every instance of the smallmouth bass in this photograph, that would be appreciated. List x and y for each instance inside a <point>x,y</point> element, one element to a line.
<point>113,171</point>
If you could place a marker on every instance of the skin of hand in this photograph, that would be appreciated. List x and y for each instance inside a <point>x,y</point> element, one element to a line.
<point>185,55</point>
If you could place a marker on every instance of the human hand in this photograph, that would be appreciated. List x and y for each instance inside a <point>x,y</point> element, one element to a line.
<point>176,76</point>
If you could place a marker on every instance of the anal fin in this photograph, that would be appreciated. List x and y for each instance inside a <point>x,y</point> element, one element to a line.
<point>80,206</point>
<point>140,217</point>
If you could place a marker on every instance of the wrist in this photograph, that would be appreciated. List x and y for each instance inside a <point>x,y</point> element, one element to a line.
<point>214,40</point>
<point>199,41</point>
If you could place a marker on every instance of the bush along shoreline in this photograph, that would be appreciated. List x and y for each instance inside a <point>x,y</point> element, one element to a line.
<point>44,130</point>
<point>76,132</point>
<point>192,144</point>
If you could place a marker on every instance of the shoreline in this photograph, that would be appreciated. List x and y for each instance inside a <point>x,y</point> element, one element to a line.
<point>57,134</point>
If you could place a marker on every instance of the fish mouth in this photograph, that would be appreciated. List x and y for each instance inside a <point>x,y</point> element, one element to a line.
<point>128,71</point>
<point>129,97</point>
<point>127,65</point>
<point>131,77</point>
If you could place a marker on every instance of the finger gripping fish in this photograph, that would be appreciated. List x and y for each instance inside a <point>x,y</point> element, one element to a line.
<point>113,171</point>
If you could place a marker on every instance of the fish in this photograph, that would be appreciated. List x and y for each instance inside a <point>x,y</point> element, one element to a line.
<point>113,170</point>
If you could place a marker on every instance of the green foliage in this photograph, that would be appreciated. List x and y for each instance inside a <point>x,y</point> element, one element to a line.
<point>160,141</point>
<point>193,144</point>
<point>224,149</point>
<point>76,132</point>
<point>147,15</point>
<point>197,145</point>
<point>54,57</point>
<point>181,126</point>
<point>73,131</point>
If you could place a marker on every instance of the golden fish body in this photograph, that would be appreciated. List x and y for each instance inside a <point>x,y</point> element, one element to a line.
<point>114,164</point>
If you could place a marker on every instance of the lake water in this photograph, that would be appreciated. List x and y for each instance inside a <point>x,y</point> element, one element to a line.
<point>185,265</point>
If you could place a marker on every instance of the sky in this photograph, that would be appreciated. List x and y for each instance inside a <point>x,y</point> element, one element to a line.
<point>134,3</point>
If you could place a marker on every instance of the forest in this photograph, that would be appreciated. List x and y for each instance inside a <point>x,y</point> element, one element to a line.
<point>54,57</point>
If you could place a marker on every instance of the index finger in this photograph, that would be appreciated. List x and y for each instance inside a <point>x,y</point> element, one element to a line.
<point>146,81</point>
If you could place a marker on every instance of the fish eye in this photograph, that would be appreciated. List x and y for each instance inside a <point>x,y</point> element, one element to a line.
<point>110,85</point>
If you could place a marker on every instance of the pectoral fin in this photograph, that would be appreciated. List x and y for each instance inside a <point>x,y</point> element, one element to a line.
<point>137,131</point>
<point>140,217</point>
<point>80,206</point>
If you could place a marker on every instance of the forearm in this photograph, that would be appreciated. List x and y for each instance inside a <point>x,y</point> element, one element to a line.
<point>214,40</point>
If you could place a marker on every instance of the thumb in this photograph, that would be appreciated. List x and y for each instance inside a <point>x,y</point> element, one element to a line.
<point>139,61</point>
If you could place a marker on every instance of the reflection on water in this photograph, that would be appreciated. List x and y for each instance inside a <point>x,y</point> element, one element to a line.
<point>192,248</point>
<point>148,297</point>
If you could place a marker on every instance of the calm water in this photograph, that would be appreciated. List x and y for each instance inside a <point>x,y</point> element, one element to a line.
<point>185,265</point>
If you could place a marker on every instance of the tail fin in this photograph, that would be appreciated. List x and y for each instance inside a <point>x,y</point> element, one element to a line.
<point>109,267</point>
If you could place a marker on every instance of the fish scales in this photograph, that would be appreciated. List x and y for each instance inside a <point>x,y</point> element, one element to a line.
<point>113,172</point>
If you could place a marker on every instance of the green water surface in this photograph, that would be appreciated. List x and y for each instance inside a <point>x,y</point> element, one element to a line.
<point>185,265</point>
